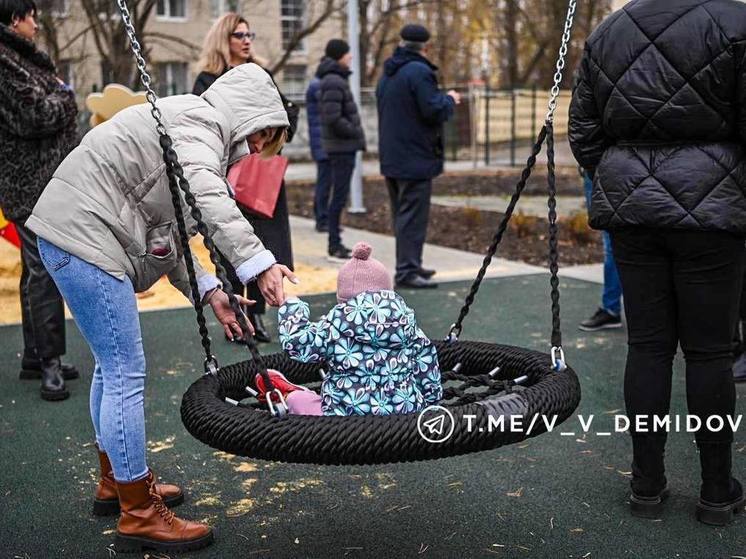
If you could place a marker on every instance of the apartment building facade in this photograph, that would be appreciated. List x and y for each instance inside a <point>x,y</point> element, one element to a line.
<point>175,34</point>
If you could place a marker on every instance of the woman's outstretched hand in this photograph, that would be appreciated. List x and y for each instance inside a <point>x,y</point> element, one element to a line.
<point>221,306</point>
<point>270,283</point>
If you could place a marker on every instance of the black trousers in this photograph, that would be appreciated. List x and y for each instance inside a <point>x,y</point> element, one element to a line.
<point>739,340</point>
<point>274,233</point>
<point>42,307</point>
<point>342,167</point>
<point>680,287</point>
<point>410,212</point>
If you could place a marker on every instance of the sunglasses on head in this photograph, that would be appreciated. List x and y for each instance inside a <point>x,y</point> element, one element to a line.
<point>241,35</point>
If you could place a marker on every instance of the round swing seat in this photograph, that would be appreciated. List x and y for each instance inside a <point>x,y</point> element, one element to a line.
<point>476,402</point>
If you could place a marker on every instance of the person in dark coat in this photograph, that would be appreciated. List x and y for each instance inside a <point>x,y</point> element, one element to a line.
<point>342,134</point>
<point>411,114</point>
<point>323,165</point>
<point>662,131</point>
<point>274,232</point>
<point>739,367</point>
<point>37,130</point>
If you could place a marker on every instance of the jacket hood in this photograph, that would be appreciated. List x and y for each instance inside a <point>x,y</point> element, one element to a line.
<point>401,58</point>
<point>25,48</point>
<point>331,66</point>
<point>249,100</point>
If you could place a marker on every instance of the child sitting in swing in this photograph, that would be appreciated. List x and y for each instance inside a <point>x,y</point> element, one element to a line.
<point>379,362</point>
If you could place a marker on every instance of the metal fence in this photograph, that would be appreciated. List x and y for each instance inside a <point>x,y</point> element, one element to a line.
<point>488,125</point>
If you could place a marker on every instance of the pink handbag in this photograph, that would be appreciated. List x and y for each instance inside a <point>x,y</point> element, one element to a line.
<point>256,182</point>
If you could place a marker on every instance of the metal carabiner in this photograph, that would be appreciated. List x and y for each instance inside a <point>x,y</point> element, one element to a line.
<point>558,359</point>
<point>211,366</point>
<point>282,408</point>
<point>453,333</point>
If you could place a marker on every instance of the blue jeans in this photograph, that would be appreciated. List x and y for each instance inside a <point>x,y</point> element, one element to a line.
<point>612,293</point>
<point>321,192</point>
<point>105,310</point>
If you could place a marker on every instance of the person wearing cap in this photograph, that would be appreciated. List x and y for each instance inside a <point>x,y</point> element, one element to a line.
<point>378,361</point>
<point>342,134</point>
<point>411,114</point>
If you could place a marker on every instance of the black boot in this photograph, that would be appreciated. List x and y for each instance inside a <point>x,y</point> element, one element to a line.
<point>52,383</point>
<point>649,488</point>
<point>31,370</point>
<point>721,496</point>
<point>261,334</point>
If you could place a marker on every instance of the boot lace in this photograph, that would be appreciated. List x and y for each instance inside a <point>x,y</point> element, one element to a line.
<point>160,506</point>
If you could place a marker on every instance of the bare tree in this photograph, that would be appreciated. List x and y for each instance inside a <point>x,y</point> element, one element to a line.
<point>110,37</point>
<point>59,46</point>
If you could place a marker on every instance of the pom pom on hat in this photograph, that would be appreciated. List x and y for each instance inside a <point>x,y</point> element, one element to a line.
<point>361,273</point>
<point>362,251</point>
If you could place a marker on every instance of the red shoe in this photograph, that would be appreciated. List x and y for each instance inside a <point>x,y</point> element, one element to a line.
<point>280,383</point>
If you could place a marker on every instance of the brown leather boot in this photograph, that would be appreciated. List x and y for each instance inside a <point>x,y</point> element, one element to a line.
<point>146,522</point>
<point>106,499</point>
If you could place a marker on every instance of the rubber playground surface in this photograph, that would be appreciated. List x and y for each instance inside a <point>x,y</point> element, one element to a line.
<point>552,496</point>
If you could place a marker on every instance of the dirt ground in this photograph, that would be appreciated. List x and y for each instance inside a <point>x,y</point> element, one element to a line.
<point>472,229</point>
<point>161,296</point>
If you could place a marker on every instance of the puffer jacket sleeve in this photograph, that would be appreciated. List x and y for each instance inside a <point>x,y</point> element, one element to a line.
<point>331,101</point>
<point>586,135</point>
<point>302,339</point>
<point>29,111</point>
<point>435,106</point>
<point>201,150</point>
<point>179,278</point>
<point>427,374</point>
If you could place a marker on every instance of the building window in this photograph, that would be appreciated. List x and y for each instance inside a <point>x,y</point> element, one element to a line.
<point>220,7</point>
<point>294,79</point>
<point>173,78</point>
<point>292,18</point>
<point>65,72</point>
<point>171,9</point>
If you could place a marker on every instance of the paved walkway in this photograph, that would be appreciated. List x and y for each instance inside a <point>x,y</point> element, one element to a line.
<point>452,264</point>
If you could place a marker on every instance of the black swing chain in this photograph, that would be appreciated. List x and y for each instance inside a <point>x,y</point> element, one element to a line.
<point>455,331</point>
<point>553,240</point>
<point>176,181</point>
<point>547,132</point>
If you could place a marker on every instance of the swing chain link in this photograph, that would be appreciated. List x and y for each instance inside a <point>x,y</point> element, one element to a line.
<point>141,66</point>
<point>555,91</point>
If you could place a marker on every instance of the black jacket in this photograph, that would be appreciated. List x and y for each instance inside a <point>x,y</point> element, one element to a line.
<point>205,80</point>
<point>37,124</point>
<point>659,113</point>
<point>341,130</point>
<point>411,113</point>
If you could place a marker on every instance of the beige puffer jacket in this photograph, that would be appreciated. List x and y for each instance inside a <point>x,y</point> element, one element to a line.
<point>109,203</point>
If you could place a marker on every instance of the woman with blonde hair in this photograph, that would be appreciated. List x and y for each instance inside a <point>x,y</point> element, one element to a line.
<point>229,43</point>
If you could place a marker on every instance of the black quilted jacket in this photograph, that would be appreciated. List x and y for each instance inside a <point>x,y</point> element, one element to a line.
<point>659,114</point>
<point>341,130</point>
<point>37,124</point>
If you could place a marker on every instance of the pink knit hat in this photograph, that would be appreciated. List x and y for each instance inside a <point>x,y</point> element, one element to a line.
<point>361,273</point>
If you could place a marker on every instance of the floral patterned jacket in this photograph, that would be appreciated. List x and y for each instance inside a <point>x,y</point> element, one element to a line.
<point>379,362</point>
